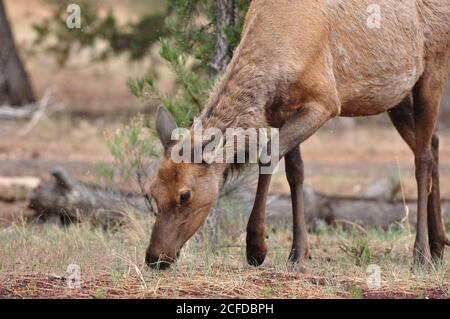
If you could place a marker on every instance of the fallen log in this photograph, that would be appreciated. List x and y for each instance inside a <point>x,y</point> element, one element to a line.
<point>69,201</point>
<point>386,187</point>
<point>66,200</point>
<point>365,211</point>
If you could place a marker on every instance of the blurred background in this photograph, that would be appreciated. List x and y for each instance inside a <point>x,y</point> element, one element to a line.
<point>80,92</point>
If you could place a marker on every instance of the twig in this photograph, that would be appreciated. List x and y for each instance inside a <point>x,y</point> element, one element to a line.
<point>38,115</point>
<point>136,268</point>
<point>35,112</point>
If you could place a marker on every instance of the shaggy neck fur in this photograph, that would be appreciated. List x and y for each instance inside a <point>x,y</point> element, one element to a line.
<point>247,89</point>
<point>239,99</point>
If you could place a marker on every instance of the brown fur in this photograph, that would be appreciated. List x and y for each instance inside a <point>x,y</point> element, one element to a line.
<point>301,63</point>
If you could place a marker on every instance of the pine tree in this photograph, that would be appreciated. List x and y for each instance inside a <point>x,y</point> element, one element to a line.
<point>207,31</point>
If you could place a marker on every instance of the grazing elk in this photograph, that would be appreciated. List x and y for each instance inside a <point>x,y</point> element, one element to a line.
<point>299,64</point>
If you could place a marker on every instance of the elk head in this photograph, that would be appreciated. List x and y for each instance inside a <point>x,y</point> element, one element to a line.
<point>184,194</point>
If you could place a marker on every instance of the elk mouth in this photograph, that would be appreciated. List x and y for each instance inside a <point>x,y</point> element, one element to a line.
<point>161,253</point>
<point>160,262</point>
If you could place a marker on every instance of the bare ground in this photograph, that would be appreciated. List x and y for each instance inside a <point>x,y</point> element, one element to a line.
<point>42,286</point>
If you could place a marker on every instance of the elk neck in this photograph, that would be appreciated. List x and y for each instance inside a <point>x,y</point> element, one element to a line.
<point>239,100</point>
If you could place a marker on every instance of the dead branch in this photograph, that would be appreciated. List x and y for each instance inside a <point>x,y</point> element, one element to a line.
<point>32,111</point>
<point>367,212</point>
<point>14,113</point>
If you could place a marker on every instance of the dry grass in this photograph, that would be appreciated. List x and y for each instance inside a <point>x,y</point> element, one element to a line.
<point>35,259</point>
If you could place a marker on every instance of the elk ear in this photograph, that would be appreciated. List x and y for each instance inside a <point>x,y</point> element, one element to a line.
<point>165,125</point>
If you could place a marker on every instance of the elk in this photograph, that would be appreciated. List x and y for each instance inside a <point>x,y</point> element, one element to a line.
<point>299,64</point>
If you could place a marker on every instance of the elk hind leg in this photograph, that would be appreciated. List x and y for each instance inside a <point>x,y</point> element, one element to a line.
<point>436,228</point>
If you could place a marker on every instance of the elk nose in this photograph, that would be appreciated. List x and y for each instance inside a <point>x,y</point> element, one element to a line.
<point>156,262</point>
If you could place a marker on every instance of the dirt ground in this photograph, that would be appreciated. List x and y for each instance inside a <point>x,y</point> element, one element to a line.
<point>32,286</point>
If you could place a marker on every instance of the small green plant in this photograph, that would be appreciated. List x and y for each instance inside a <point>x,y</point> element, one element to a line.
<point>358,248</point>
<point>100,293</point>
<point>356,292</point>
<point>104,170</point>
<point>420,294</point>
<point>267,291</point>
<point>133,148</point>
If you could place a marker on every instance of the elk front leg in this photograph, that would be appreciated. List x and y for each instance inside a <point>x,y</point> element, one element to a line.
<point>256,232</point>
<point>295,177</point>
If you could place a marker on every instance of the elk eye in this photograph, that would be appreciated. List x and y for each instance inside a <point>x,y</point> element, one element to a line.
<point>184,197</point>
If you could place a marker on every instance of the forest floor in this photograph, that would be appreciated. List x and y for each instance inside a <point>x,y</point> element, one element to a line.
<point>47,261</point>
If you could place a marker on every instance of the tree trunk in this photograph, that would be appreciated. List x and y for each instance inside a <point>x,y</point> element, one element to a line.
<point>15,88</point>
<point>222,53</point>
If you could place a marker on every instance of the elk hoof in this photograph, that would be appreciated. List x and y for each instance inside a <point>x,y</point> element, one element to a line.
<point>296,261</point>
<point>296,266</point>
<point>255,257</point>
<point>437,248</point>
<point>256,248</point>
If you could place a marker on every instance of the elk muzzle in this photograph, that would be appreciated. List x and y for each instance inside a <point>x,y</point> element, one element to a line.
<point>169,235</point>
<point>164,246</point>
<point>159,262</point>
